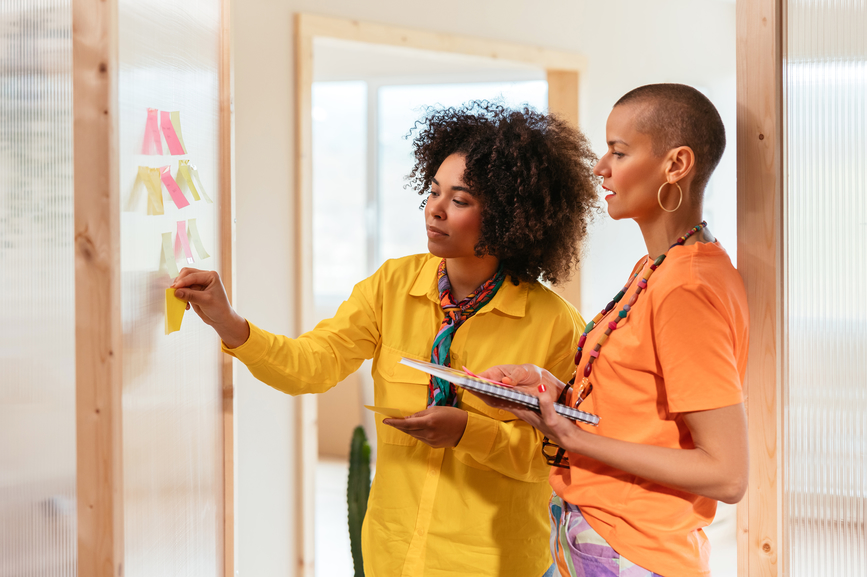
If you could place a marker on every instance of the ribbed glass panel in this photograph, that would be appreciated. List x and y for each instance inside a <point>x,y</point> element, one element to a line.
<point>37,332</point>
<point>825,319</point>
<point>169,60</point>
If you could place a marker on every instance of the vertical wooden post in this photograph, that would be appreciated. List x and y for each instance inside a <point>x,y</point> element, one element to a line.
<point>98,337</point>
<point>227,234</point>
<point>307,444</point>
<point>760,190</point>
<point>563,101</point>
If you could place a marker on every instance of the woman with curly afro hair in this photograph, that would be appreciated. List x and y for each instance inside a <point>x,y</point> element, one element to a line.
<point>530,171</point>
<point>460,488</point>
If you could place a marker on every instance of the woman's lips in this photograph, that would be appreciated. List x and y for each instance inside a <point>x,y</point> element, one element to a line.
<point>435,233</point>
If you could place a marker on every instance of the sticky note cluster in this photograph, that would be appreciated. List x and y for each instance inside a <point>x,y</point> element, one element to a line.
<point>183,243</point>
<point>179,250</point>
<point>169,124</point>
<point>154,179</point>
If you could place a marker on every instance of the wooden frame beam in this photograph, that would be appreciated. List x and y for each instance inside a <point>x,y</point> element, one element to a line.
<point>323,26</point>
<point>563,99</point>
<point>98,331</point>
<point>306,429</point>
<point>227,273</point>
<point>563,72</point>
<point>760,243</point>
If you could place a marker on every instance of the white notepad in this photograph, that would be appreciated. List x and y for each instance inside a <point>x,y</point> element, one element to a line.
<point>485,387</point>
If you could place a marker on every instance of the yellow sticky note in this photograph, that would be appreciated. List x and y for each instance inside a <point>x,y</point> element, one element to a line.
<point>185,178</point>
<point>175,308</point>
<point>175,118</point>
<point>132,201</point>
<point>167,256</point>
<point>194,172</point>
<point>151,178</point>
<point>390,413</point>
<point>193,234</point>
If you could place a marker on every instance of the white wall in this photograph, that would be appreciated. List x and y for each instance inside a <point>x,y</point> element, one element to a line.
<point>628,43</point>
<point>636,43</point>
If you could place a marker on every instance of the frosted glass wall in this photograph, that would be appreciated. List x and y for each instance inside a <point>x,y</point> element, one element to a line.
<point>172,456</point>
<point>37,344</point>
<point>825,415</point>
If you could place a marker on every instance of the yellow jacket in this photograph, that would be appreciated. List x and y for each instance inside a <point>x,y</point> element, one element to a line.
<point>476,509</point>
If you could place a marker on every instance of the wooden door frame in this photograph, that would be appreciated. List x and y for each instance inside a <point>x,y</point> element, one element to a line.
<point>226,219</point>
<point>563,71</point>
<point>98,330</point>
<point>760,169</point>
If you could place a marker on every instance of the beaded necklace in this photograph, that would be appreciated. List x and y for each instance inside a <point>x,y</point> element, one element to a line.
<point>585,387</point>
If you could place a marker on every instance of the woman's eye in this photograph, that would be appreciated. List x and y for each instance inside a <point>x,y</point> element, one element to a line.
<point>434,193</point>
<point>618,154</point>
<point>460,202</point>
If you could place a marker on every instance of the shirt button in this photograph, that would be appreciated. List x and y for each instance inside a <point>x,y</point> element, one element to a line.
<point>432,472</point>
<point>420,532</point>
<point>501,412</point>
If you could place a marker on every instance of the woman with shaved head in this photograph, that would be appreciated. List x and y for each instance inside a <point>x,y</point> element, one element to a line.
<point>662,364</point>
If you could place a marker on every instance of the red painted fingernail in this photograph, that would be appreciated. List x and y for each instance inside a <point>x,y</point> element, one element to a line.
<point>541,388</point>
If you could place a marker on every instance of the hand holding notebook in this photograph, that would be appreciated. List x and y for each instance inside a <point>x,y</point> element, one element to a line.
<point>496,389</point>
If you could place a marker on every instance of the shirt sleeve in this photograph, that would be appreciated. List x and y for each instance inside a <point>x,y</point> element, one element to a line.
<point>321,358</point>
<point>695,341</point>
<point>512,448</point>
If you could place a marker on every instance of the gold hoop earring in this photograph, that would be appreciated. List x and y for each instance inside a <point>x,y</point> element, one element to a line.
<point>659,197</point>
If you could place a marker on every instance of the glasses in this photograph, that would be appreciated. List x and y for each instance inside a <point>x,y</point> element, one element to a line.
<point>554,454</point>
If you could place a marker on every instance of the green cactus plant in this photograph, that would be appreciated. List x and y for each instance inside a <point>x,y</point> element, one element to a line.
<point>357,491</point>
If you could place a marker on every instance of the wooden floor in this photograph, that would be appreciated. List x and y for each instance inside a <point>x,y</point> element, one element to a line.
<point>333,558</point>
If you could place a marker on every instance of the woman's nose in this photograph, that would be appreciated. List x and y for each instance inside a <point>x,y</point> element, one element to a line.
<point>600,168</point>
<point>434,207</point>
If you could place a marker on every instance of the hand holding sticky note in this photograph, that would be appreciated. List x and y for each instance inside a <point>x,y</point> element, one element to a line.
<point>175,308</point>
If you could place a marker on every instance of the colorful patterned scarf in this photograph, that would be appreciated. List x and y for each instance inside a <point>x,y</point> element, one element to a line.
<point>440,392</point>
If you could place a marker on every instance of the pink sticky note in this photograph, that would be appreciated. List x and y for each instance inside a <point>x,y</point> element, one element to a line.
<point>175,146</point>
<point>185,243</point>
<point>173,188</point>
<point>152,144</point>
<point>179,250</point>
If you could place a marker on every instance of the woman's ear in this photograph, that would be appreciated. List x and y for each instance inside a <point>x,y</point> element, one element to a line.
<point>679,163</point>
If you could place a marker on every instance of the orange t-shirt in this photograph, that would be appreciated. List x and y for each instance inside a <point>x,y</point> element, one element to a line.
<point>682,348</point>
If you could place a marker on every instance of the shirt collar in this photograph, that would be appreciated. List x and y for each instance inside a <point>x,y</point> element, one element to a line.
<point>511,300</point>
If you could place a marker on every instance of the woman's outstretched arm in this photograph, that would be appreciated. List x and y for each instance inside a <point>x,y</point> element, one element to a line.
<point>312,363</point>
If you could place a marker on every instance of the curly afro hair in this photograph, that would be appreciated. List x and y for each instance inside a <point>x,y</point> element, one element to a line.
<point>533,174</point>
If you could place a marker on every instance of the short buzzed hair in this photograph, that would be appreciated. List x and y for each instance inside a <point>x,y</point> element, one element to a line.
<point>679,115</point>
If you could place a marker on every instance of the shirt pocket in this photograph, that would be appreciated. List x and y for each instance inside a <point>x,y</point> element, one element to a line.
<point>399,387</point>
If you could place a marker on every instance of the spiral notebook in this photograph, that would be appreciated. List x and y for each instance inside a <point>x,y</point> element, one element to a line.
<point>486,387</point>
